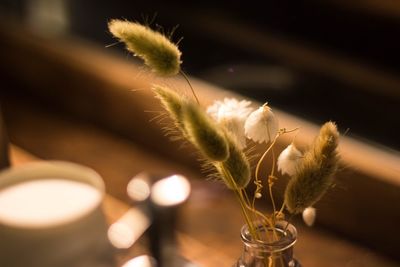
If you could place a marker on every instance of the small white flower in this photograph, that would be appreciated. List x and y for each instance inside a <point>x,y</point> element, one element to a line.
<point>309,215</point>
<point>261,125</point>
<point>231,114</point>
<point>289,159</point>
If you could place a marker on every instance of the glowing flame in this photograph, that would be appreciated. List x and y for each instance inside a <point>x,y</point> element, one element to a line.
<point>170,191</point>
<point>123,233</point>
<point>141,261</point>
<point>138,188</point>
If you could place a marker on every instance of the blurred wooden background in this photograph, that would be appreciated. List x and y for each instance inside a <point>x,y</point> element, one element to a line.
<point>67,99</point>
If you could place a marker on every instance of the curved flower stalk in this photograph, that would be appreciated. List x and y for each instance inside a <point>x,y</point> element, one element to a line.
<point>315,173</point>
<point>157,51</point>
<point>232,114</point>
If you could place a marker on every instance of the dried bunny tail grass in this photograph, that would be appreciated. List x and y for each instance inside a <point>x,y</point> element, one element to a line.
<point>315,173</point>
<point>204,133</point>
<point>327,140</point>
<point>235,170</point>
<point>172,102</point>
<point>157,51</point>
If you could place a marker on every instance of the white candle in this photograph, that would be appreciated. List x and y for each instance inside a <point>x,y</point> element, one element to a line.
<point>46,202</point>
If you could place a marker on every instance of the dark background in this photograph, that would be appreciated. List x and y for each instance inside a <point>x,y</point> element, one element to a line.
<point>363,34</point>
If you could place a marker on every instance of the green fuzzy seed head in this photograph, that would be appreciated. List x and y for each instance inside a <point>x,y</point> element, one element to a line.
<point>235,170</point>
<point>204,134</point>
<point>315,173</point>
<point>172,102</point>
<point>157,51</point>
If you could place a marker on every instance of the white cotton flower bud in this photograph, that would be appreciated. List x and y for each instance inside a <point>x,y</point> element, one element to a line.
<point>309,215</point>
<point>261,125</point>
<point>235,128</point>
<point>289,160</point>
<point>231,114</point>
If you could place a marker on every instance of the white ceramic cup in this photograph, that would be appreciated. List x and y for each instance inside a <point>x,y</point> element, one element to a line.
<point>51,216</point>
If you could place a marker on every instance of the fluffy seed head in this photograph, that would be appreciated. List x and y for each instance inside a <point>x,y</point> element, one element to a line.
<point>315,172</point>
<point>235,170</point>
<point>157,51</point>
<point>172,102</point>
<point>204,133</point>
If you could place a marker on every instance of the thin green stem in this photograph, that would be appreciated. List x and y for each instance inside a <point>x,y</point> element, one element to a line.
<point>282,207</point>
<point>288,222</point>
<point>241,200</point>
<point>253,202</point>
<point>246,197</point>
<point>257,171</point>
<point>190,85</point>
<point>273,202</point>
<point>271,183</point>
<point>258,213</point>
<point>249,222</point>
<point>273,162</point>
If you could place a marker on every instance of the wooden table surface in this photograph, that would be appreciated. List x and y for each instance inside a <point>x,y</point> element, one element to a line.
<point>209,222</point>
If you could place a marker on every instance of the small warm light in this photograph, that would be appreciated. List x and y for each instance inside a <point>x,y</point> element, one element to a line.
<point>138,188</point>
<point>141,261</point>
<point>121,235</point>
<point>129,228</point>
<point>170,191</point>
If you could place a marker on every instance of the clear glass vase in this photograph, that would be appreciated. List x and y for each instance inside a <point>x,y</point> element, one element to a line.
<point>274,249</point>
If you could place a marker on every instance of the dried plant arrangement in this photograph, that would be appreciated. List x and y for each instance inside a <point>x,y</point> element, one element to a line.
<point>221,134</point>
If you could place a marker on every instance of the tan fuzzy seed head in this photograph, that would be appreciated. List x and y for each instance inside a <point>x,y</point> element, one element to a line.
<point>204,133</point>
<point>315,172</point>
<point>157,51</point>
<point>235,170</point>
<point>172,102</point>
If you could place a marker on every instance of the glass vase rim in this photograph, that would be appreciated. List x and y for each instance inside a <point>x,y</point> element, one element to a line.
<point>288,240</point>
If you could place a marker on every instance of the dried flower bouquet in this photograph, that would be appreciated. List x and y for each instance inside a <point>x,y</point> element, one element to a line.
<point>221,132</point>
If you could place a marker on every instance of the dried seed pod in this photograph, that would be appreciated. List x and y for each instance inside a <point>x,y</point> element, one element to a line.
<point>172,102</point>
<point>235,170</point>
<point>157,51</point>
<point>314,175</point>
<point>202,131</point>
